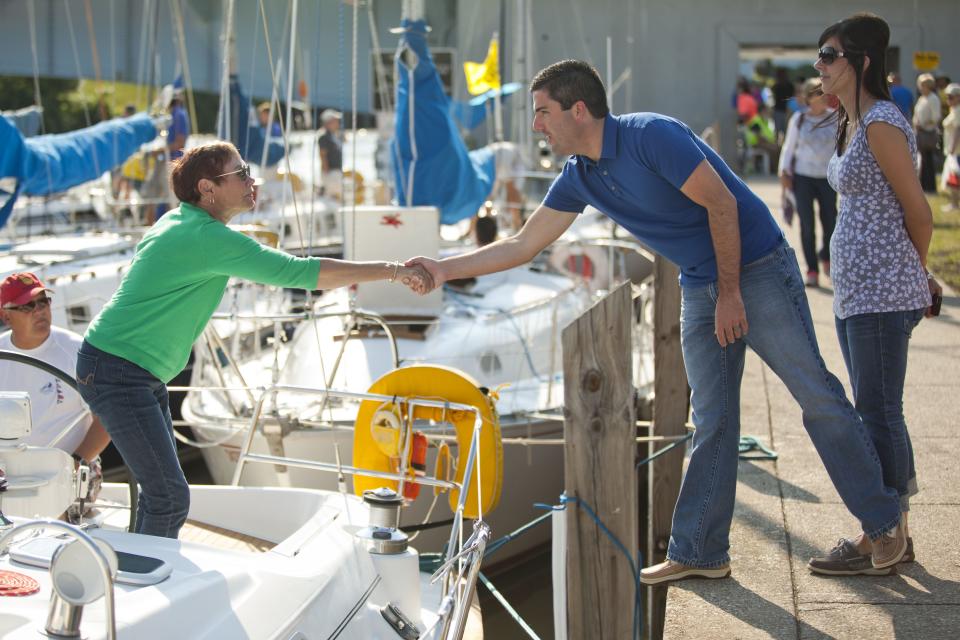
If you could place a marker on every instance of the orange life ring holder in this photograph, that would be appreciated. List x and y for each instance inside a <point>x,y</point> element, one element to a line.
<point>375,443</point>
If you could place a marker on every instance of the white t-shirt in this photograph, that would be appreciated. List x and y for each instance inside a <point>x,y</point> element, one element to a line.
<point>53,403</point>
<point>508,161</point>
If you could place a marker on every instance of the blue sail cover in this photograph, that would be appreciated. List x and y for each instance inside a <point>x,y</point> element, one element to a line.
<point>444,174</point>
<point>246,133</point>
<point>54,163</point>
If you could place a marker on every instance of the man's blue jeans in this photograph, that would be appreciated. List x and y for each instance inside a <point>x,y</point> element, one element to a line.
<point>781,333</point>
<point>135,410</point>
<point>874,347</point>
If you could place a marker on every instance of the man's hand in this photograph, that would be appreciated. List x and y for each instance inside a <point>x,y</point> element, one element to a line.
<point>417,278</point>
<point>432,267</point>
<point>731,319</point>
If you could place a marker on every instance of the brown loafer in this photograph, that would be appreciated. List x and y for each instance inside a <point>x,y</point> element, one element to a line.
<point>670,571</point>
<point>846,560</point>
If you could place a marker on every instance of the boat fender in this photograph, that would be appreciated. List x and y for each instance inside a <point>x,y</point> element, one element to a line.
<point>434,382</point>
<point>418,462</point>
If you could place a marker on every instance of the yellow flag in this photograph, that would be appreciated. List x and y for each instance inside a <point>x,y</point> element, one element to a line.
<point>483,76</point>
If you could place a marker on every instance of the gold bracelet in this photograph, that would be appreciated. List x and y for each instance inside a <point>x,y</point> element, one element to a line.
<point>396,270</point>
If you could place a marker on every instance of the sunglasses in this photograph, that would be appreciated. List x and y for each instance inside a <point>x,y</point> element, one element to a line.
<point>30,307</point>
<point>829,55</point>
<point>243,173</point>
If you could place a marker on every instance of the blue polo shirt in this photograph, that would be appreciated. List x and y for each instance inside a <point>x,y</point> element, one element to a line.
<point>646,158</point>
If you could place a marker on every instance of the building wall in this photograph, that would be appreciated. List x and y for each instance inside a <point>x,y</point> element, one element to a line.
<point>682,55</point>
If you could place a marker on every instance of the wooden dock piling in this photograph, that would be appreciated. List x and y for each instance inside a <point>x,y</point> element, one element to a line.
<point>600,454</point>
<point>670,409</point>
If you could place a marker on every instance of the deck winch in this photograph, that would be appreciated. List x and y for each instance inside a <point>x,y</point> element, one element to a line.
<point>382,535</point>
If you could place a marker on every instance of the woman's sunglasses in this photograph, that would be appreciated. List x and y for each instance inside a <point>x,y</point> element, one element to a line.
<point>829,55</point>
<point>39,303</point>
<point>243,173</point>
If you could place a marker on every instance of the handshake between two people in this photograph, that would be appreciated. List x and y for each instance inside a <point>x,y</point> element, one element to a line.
<point>421,274</point>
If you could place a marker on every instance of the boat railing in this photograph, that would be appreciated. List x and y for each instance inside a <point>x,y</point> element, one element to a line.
<point>67,611</point>
<point>465,556</point>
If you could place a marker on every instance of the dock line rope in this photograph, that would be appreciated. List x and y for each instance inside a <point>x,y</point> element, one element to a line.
<point>637,602</point>
<point>506,605</point>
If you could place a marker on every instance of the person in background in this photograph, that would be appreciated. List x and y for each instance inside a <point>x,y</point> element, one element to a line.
<point>878,251</point>
<point>263,114</point>
<point>485,231</point>
<point>746,104</point>
<point>179,125</point>
<point>508,180</point>
<point>942,82</point>
<point>330,144</point>
<point>54,406</point>
<point>926,126</point>
<point>121,183</point>
<point>950,177</point>
<point>796,104</point>
<point>783,90</point>
<point>760,133</point>
<point>143,336</point>
<point>803,169</point>
<point>740,286</point>
<point>902,96</point>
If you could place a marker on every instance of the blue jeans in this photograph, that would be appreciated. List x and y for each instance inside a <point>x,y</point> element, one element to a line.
<point>807,190</point>
<point>134,408</point>
<point>874,347</point>
<point>781,333</point>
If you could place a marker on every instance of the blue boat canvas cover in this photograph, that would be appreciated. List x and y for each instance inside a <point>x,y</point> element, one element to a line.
<point>432,166</point>
<point>53,163</point>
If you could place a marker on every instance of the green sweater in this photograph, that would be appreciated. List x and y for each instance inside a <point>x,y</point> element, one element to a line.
<point>176,281</point>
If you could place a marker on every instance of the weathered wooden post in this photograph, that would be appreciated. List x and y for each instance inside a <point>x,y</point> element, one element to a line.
<point>600,432</point>
<point>670,408</point>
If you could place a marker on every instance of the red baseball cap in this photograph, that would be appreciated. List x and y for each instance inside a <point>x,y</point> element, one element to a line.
<point>19,288</point>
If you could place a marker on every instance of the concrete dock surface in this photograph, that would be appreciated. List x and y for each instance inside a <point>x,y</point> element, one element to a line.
<point>787,510</point>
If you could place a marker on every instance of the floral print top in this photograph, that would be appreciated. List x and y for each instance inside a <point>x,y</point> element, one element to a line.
<point>873,264</point>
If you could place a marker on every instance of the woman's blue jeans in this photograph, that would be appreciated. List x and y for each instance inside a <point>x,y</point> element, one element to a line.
<point>874,347</point>
<point>134,408</point>
<point>781,333</point>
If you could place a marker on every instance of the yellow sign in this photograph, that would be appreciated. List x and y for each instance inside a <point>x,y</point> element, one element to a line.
<point>926,60</point>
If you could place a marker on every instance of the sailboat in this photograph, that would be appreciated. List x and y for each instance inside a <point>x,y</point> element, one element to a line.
<point>251,562</point>
<point>499,334</point>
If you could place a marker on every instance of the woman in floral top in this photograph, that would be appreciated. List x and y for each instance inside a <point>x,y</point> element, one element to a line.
<point>878,254</point>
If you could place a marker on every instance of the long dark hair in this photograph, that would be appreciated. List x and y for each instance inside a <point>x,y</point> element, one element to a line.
<point>862,36</point>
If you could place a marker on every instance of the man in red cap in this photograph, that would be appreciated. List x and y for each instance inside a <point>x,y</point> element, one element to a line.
<point>25,308</point>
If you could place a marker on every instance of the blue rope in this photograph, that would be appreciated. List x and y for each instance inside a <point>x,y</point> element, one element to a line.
<point>637,603</point>
<point>499,542</point>
<point>506,605</point>
<point>665,449</point>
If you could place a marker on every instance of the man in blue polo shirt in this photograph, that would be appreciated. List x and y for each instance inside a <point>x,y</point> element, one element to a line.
<point>741,286</point>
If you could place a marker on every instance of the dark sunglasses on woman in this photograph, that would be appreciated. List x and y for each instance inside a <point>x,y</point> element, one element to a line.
<point>243,173</point>
<point>829,55</point>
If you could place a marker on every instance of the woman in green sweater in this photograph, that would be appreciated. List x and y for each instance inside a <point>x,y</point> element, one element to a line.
<point>143,336</point>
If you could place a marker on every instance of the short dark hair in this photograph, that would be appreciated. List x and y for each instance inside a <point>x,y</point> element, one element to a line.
<point>570,81</point>
<point>205,161</point>
<point>486,230</point>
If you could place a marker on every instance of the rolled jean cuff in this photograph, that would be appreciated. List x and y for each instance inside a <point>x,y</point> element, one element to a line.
<point>697,564</point>
<point>912,490</point>
<point>889,526</point>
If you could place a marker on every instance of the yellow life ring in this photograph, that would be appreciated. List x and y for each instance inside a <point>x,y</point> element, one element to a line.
<point>379,451</point>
